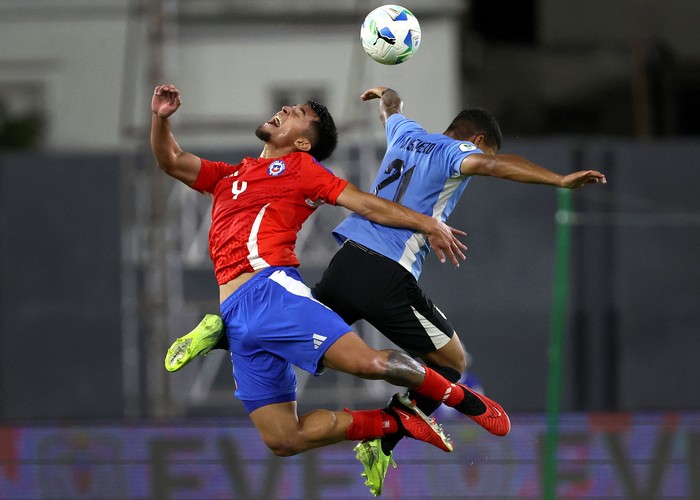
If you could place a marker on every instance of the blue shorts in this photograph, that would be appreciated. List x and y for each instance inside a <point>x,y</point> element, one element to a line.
<point>273,322</point>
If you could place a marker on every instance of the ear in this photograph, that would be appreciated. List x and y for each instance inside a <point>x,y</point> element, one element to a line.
<point>478,140</point>
<point>302,144</point>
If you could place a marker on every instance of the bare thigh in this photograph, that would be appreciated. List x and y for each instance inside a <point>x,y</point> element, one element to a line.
<point>350,354</point>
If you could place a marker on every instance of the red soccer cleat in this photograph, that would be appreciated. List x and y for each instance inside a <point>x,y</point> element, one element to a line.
<point>417,424</point>
<point>493,418</point>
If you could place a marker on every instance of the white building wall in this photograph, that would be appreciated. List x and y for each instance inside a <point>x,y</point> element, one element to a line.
<point>74,59</point>
<point>235,73</point>
<point>78,66</point>
<point>67,58</point>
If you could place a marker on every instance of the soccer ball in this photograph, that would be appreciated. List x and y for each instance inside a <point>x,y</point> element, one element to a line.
<point>390,34</point>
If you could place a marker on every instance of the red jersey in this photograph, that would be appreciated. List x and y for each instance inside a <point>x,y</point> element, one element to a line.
<point>259,207</point>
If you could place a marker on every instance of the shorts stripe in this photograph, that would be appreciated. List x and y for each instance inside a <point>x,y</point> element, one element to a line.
<point>293,286</point>
<point>437,336</point>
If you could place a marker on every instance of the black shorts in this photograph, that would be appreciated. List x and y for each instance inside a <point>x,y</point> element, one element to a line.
<point>362,284</point>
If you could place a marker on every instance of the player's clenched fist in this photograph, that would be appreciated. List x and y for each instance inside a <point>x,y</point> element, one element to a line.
<point>166,100</point>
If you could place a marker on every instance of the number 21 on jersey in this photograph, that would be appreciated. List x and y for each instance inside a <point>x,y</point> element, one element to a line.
<point>397,173</point>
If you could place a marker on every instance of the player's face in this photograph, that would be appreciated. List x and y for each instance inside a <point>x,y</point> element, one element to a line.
<point>288,124</point>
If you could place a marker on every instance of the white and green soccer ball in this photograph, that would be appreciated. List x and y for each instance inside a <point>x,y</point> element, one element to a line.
<point>390,34</point>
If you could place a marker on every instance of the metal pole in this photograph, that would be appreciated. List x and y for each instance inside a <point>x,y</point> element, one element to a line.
<point>156,274</point>
<point>641,107</point>
<point>556,340</point>
<point>128,168</point>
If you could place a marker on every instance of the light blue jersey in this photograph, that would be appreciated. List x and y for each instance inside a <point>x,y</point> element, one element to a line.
<point>421,171</point>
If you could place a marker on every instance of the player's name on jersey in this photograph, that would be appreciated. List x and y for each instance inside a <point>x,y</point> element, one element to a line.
<point>411,144</point>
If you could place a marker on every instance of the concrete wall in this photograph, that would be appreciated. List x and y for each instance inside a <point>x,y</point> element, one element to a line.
<point>60,301</point>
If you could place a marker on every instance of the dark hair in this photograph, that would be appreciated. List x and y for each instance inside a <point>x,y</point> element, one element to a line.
<point>326,135</point>
<point>476,121</point>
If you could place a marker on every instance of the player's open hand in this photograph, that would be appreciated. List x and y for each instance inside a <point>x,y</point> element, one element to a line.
<point>166,100</point>
<point>443,239</point>
<point>579,179</point>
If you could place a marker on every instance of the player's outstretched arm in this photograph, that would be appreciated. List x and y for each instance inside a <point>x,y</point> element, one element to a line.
<point>389,101</point>
<point>519,169</point>
<point>442,238</point>
<point>171,158</point>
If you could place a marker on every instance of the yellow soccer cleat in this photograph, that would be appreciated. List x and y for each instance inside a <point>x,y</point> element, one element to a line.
<point>198,342</point>
<point>375,462</point>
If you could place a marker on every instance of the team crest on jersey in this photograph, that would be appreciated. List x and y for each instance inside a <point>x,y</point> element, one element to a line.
<point>276,168</point>
<point>467,147</point>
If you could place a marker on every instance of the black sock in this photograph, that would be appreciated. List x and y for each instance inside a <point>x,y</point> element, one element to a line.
<point>426,405</point>
<point>222,343</point>
<point>470,405</point>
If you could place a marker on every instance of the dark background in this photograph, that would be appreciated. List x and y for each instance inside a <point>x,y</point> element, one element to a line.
<point>632,338</point>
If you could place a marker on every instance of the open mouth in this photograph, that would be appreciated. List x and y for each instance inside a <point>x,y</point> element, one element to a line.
<point>275,121</point>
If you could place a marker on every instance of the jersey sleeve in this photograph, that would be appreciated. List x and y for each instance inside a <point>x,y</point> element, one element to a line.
<point>319,183</point>
<point>398,126</point>
<point>456,152</point>
<point>209,174</point>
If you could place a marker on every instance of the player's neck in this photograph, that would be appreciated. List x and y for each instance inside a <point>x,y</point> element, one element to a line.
<point>270,151</point>
<point>451,135</point>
